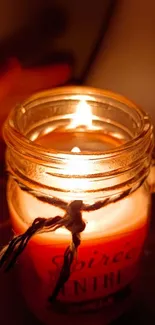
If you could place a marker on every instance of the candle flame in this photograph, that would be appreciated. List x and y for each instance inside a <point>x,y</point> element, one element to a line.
<point>79,166</point>
<point>82,116</point>
<point>76,149</point>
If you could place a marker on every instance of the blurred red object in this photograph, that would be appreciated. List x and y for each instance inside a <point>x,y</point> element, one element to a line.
<point>17,83</point>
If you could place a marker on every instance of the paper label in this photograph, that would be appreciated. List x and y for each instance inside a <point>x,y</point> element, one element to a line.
<point>101,274</point>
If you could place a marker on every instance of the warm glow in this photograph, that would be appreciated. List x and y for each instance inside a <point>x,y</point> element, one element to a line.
<point>83,115</point>
<point>76,149</point>
<point>80,166</point>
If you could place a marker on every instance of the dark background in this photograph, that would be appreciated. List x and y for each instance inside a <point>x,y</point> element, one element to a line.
<point>39,33</point>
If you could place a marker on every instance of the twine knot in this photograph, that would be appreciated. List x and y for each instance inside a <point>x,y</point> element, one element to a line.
<point>73,217</point>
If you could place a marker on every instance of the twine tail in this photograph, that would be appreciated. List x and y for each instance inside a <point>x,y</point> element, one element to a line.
<point>10,253</point>
<point>65,272</point>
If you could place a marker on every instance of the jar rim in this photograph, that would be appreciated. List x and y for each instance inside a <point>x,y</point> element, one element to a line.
<point>75,92</point>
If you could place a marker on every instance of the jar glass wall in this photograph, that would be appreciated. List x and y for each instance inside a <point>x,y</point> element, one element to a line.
<point>80,143</point>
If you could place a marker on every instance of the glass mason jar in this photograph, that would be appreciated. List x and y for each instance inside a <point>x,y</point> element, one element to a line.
<point>78,143</point>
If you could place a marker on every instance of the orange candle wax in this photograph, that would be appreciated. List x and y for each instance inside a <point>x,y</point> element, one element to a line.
<point>111,244</point>
<point>108,256</point>
<point>71,150</point>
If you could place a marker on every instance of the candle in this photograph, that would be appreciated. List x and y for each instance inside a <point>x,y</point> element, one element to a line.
<point>89,158</point>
